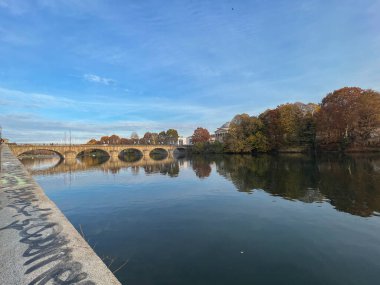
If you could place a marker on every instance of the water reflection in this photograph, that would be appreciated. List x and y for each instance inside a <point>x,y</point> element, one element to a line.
<point>158,154</point>
<point>350,183</point>
<point>91,160</point>
<point>201,166</point>
<point>130,155</point>
<point>41,162</point>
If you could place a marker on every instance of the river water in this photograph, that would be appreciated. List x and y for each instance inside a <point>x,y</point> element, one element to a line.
<point>288,219</point>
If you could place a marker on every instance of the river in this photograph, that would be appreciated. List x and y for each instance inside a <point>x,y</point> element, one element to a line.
<point>286,219</point>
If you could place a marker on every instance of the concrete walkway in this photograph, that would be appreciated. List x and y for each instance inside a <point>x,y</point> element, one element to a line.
<point>38,245</point>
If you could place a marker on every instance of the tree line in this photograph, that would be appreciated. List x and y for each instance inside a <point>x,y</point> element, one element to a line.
<point>165,137</point>
<point>348,118</point>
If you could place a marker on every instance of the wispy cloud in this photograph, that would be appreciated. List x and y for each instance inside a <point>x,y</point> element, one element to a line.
<point>188,64</point>
<point>99,79</point>
<point>31,128</point>
<point>37,117</point>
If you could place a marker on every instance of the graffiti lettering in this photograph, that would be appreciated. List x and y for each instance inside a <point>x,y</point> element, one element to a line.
<point>47,245</point>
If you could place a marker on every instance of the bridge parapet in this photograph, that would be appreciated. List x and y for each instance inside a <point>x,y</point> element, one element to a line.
<point>72,151</point>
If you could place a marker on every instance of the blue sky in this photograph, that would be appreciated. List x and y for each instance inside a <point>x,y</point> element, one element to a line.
<point>102,67</point>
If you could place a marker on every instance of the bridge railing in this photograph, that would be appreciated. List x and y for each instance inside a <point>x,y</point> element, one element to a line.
<point>95,145</point>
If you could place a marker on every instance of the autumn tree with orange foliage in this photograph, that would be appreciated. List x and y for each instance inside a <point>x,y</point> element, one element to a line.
<point>200,135</point>
<point>348,117</point>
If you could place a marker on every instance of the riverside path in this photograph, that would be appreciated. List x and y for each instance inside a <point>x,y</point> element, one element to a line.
<point>38,245</point>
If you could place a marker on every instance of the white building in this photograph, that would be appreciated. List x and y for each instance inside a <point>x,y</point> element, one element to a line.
<point>221,132</point>
<point>184,141</point>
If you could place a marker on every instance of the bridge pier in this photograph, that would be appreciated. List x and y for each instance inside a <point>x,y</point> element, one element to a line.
<point>70,155</point>
<point>170,153</point>
<point>114,155</point>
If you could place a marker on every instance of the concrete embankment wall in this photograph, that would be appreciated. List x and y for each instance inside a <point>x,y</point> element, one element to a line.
<point>38,245</point>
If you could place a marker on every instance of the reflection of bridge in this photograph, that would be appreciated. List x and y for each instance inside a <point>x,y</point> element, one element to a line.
<point>72,151</point>
<point>110,165</point>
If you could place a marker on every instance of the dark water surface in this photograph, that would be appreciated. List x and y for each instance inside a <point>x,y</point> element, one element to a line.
<point>287,219</point>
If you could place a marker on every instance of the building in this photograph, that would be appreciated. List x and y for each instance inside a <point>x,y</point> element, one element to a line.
<point>184,141</point>
<point>220,133</point>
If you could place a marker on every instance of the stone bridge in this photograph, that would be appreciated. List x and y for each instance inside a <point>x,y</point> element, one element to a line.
<point>71,151</point>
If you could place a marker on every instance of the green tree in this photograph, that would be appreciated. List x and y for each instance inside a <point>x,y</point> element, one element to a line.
<point>246,135</point>
<point>290,125</point>
<point>162,137</point>
<point>171,136</point>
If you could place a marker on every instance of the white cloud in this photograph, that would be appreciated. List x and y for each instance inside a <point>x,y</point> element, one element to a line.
<point>25,127</point>
<point>36,117</point>
<point>99,79</point>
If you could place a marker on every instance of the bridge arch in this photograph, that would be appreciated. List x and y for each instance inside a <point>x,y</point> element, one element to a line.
<point>159,153</point>
<point>93,152</point>
<point>35,151</point>
<point>131,154</point>
<point>46,159</point>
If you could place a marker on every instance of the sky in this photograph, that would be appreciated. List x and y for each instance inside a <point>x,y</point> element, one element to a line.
<point>102,67</point>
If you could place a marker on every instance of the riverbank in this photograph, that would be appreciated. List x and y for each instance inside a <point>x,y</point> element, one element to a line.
<point>213,148</point>
<point>38,243</point>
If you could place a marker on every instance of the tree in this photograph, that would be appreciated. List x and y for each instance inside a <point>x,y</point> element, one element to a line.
<point>92,141</point>
<point>368,116</point>
<point>171,136</point>
<point>126,141</point>
<point>154,138</point>
<point>200,135</point>
<point>290,125</point>
<point>114,139</point>
<point>348,116</point>
<point>272,128</point>
<point>162,137</point>
<point>147,138</point>
<point>246,135</point>
<point>105,140</point>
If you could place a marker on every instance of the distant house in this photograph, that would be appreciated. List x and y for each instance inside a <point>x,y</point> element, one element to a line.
<point>4,140</point>
<point>212,138</point>
<point>220,133</point>
<point>184,141</point>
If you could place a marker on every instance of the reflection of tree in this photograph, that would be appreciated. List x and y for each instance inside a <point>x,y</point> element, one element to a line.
<point>201,166</point>
<point>351,184</point>
<point>93,160</point>
<point>287,176</point>
<point>158,154</point>
<point>246,172</point>
<point>171,169</point>
<point>130,155</point>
